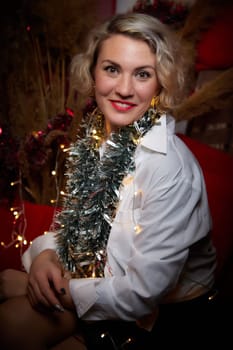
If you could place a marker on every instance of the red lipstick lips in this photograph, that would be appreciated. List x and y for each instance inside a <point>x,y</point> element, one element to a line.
<point>122,106</point>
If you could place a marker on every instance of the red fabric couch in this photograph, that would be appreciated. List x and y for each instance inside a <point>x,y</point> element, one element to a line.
<point>38,220</point>
<point>217,167</point>
<point>218,172</point>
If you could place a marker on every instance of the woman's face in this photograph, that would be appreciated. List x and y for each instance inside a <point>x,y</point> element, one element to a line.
<point>125,79</point>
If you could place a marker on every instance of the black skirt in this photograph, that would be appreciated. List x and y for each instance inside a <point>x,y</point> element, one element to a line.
<point>192,323</point>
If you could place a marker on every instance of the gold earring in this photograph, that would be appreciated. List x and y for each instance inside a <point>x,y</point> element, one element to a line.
<point>154,102</point>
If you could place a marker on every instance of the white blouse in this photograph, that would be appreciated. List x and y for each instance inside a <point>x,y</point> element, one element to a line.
<point>159,243</point>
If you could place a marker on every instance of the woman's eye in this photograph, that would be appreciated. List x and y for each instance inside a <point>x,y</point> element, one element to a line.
<point>143,74</point>
<point>110,69</point>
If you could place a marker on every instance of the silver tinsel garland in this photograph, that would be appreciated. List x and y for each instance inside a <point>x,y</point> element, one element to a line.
<point>93,193</point>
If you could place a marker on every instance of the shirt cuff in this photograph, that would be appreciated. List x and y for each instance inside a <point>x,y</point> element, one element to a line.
<point>40,243</point>
<point>83,292</point>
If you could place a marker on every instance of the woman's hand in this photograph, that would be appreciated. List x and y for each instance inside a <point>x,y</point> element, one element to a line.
<point>12,283</point>
<point>47,286</point>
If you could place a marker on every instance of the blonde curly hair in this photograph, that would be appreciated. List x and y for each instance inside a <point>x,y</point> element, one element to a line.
<point>164,43</point>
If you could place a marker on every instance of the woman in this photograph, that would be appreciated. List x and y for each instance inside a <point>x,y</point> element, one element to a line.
<point>132,254</point>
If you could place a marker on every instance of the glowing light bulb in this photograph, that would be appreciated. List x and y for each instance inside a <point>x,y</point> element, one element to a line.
<point>137,229</point>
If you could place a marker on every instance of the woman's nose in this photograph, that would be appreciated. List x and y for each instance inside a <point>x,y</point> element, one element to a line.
<point>124,86</point>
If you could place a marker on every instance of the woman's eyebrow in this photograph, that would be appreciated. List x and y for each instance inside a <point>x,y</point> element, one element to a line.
<point>145,67</point>
<point>110,62</point>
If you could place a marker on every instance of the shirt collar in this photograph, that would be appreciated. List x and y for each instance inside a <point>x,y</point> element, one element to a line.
<point>156,138</point>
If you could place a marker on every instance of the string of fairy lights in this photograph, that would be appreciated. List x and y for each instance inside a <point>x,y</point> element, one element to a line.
<point>19,223</point>
<point>18,237</point>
